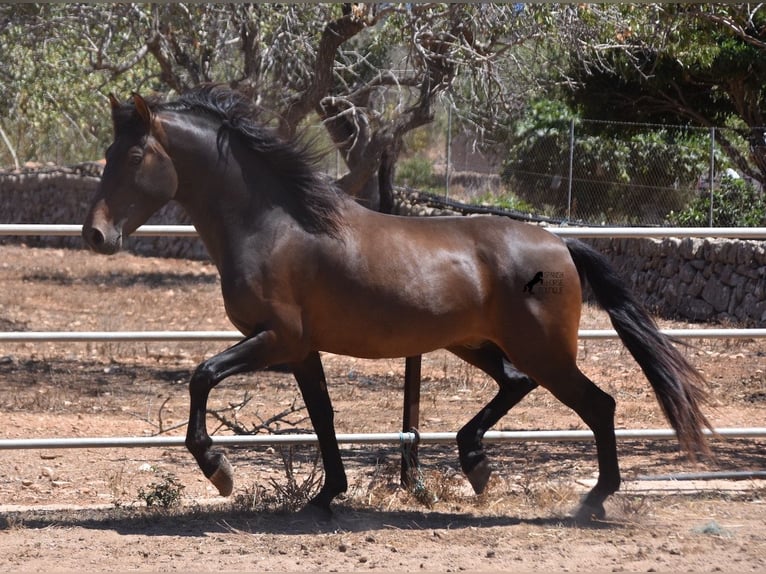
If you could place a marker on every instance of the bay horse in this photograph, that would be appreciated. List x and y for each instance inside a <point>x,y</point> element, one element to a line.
<point>305,269</point>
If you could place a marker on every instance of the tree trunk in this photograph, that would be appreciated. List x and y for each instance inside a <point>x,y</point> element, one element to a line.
<point>386,178</point>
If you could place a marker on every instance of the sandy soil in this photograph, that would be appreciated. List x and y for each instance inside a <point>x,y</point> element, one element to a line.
<point>86,509</point>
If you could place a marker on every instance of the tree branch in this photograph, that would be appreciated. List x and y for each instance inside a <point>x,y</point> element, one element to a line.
<point>334,35</point>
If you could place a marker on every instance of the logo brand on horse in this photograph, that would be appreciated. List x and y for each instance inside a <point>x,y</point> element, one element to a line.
<point>302,272</point>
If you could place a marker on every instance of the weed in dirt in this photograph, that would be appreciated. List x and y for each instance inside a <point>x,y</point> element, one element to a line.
<point>294,493</point>
<point>289,495</point>
<point>164,494</point>
<point>437,486</point>
<point>11,522</point>
<point>254,499</point>
<point>117,488</point>
<point>712,528</point>
<point>630,506</point>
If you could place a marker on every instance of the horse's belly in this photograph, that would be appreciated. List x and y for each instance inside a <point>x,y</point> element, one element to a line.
<point>391,333</point>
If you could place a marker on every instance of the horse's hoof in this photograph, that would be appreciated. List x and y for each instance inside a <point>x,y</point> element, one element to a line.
<point>479,476</point>
<point>223,477</point>
<point>316,512</point>
<point>589,513</point>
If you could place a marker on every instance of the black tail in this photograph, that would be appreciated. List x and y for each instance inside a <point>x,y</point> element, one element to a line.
<point>677,384</point>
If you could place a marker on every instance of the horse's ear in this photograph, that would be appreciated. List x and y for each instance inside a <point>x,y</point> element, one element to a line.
<point>143,111</point>
<point>114,102</point>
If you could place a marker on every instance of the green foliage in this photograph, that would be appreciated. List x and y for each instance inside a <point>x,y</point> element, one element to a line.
<point>165,494</point>
<point>51,108</point>
<point>621,172</point>
<point>690,64</point>
<point>510,202</point>
<point>416,172</point>
<point>736,203</point>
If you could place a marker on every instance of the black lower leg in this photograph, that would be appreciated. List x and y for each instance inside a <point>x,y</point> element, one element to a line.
<point>596,408</point>
<point>247,355</point>
<point>311,380</point>
<point>514,386</point>
<point>213,463</point>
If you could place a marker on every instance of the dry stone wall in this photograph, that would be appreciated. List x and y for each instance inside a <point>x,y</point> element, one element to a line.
<point>53,194</point>
<point>709,280</point>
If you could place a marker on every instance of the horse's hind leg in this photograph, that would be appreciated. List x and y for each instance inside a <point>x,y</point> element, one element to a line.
<point>313,385</point>
<point>514,386</point>
<point>596,408</point>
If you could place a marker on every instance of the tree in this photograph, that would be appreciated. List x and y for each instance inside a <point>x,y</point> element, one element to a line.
<point>50,100</point>
<point>698,64</point>
<point>370,73</point>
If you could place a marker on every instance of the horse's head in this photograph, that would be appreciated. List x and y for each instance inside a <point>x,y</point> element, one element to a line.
<point>139,177</point>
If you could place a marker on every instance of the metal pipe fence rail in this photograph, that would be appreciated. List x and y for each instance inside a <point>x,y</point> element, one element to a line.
<point>234,336</point>
<point>34,229</point>
<point>403,438</point>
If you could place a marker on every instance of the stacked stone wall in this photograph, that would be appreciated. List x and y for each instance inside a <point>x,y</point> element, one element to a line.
<point>699,279</point>
<point>62,195</point>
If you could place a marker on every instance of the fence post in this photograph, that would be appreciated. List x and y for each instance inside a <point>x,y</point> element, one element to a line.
<point>571,169</point>
<point>711,175</point>
<point>448,167</point>
<point>411,416</point>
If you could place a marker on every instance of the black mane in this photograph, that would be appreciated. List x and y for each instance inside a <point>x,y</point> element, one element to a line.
<point>312,201</point>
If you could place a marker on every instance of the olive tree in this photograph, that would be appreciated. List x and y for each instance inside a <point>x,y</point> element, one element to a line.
<point>368,73</point>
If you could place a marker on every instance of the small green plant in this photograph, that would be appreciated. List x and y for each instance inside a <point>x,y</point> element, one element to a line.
<point>416,172</point>
<point>165,494</point>
<point>509,200</point>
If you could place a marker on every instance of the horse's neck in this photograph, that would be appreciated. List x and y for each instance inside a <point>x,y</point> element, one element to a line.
<point>211,189</point>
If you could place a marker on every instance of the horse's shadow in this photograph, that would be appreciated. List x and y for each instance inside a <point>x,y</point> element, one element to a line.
<point>197,522</point>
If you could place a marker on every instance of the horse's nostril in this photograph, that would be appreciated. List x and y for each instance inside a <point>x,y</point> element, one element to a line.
<point>93,237</point>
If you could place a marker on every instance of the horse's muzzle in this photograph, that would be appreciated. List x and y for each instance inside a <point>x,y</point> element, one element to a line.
<point>100,232</point>
<point>100,240</point>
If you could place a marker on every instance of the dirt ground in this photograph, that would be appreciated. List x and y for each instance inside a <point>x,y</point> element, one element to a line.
<point>150,509</point>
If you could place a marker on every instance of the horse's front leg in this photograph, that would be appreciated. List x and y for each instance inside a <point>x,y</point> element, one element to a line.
<point>247,355</point>
<point>313,385</point>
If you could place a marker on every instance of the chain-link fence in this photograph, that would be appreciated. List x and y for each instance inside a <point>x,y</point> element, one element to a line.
<point>609,173</point>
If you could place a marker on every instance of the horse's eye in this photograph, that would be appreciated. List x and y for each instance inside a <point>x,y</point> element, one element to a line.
<point>135,158</point>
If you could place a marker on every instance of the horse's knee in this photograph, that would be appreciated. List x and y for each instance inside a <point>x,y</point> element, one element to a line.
<point>202,380</point>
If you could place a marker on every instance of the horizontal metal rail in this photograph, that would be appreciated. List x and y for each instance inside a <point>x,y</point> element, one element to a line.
<point>564,231</point>
<point>158,336</point>
<point>662,232</point>
<point>75,230</point>
<point>115,336</point>
<point>362,438</point>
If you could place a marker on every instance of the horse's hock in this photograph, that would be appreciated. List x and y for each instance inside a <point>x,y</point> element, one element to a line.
<point>696,279</point>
